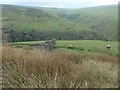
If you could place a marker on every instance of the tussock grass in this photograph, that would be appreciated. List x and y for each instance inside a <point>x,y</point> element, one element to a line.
<point>42,69</point>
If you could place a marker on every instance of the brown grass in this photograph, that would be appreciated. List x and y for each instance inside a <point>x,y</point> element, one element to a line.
<point>42,69</point>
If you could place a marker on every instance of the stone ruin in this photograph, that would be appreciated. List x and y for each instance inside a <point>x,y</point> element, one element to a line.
<point>48,45</point>
<point>6,35</point>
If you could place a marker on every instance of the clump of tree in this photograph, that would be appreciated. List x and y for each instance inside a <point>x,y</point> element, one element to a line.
<point>34,35</point>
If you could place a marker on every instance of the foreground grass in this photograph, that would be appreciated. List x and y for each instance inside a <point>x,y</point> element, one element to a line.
<point>42,69</point>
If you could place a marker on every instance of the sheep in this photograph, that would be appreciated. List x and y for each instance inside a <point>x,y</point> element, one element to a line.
<point>70,47</point>
<point>109,47</point>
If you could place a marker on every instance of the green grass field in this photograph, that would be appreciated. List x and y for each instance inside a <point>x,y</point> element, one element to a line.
<point>81,46</point>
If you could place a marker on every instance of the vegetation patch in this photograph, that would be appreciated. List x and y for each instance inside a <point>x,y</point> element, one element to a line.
<point>43,69</point>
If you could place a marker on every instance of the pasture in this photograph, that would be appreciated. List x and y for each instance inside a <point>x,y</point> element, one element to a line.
<point>81,46</point>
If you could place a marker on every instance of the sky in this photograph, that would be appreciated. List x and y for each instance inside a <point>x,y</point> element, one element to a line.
<point>60,3</point>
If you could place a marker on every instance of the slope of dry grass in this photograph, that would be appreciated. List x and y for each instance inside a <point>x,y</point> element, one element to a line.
<point>42,69</point>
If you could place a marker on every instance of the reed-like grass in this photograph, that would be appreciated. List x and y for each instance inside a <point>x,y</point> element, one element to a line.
<point>43,69</point>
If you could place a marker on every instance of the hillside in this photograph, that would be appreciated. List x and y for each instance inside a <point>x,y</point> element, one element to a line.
<point>103,19</point>
<point>30,23</point>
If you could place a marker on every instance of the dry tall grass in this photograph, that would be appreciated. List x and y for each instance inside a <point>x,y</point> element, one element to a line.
<point>42,69</point>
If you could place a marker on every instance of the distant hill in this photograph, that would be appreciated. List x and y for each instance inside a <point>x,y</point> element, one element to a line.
<point>33,23</point>
<point>103,19</point>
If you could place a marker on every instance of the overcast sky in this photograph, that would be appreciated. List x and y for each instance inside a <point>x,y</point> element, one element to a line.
<point>60,3</point>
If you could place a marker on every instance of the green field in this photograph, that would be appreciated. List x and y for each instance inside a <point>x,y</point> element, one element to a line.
<point>82,46</point>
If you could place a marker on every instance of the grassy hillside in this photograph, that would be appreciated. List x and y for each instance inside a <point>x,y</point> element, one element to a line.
<point>103,19</point>
<point>42,23</point>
